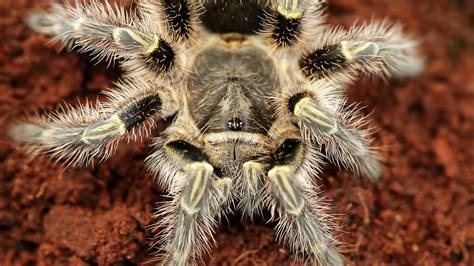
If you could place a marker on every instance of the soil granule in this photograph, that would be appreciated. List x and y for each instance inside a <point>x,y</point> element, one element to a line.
<point>419,213</point>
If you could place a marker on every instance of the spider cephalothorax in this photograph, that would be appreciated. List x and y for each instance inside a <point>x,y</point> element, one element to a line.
<point>255,92</point>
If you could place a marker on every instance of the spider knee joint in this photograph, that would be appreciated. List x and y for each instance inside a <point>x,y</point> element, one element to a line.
<point>307,110</point>
<point>290,198</point>
<point>252,171</point>
<point>359,50</point>
<point>129,38</point>
<point>290,9</point>
<point>199,174</point>
<point>103,131</point>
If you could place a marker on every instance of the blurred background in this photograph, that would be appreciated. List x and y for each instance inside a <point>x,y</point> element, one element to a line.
<point>420,213</point>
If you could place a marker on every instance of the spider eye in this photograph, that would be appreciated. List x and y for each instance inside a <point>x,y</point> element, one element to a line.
<point>235,124</point>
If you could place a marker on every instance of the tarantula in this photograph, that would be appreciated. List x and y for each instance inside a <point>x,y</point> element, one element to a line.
<point>255,92</point>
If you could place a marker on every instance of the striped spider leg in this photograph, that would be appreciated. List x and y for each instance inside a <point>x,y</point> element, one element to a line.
<point>150,58</point>
<point>108,33</point>
<point>200,197</point>
<point>318,108</point>
<point>284,180</point>
<point>379,48</point>
<point>77,136</point>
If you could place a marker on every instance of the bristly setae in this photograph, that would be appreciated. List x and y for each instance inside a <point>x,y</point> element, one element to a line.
<point>255,90</point>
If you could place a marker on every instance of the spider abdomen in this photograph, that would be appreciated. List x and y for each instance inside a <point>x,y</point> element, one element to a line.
<point>241,18</point>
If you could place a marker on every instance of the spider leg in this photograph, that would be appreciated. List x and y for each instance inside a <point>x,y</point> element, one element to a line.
<point>253,174</point>
<point>379,48</point>
<point>80,135</point>
<point>106,32</point>
<point>187,222</point>
<point>302,222</point>
<point>292,21</point>
<point>178,16</point>
<point>321,118</point>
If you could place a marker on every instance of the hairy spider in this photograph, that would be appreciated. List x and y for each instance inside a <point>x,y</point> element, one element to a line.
<point>255,92</point>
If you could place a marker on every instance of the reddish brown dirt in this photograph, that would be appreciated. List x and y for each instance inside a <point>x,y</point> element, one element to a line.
<point>420,213</point>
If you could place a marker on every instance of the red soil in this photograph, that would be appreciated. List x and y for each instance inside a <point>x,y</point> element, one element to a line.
<point>420,212</point>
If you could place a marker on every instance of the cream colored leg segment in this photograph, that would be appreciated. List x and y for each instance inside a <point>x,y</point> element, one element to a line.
<point>347,147</point>
<point>284,187</point>
<point>290,9</point>
<point>250,202</point>
<point>190,220</point>
<point>308,110</point>
<point>84,134</point>
<point>302,224</point>
<point>199,174</point>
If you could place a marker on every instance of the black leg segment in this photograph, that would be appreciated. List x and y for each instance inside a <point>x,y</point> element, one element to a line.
<point>286,30</point>
<point>138,111</point>
<point>178,15</point>
<point>161,57</point>
<point>323,62</point>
